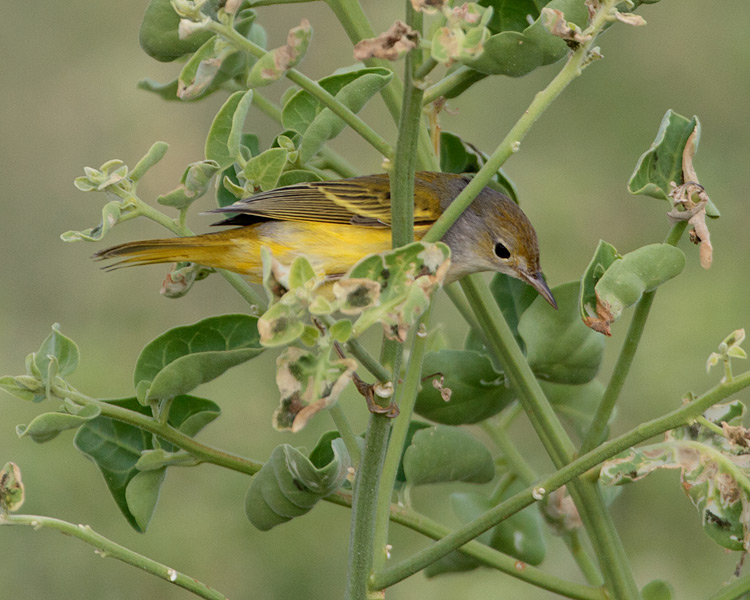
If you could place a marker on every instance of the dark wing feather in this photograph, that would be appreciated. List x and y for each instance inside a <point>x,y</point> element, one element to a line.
<point>359,200</point>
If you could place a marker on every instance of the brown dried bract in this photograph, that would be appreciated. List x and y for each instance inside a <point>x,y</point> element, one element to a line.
<point>736,435</point>
<point>603,319</point>
<point>630,19</point>
<point>429,7</point>
<point>390,45</point>
<point>694,212</point>
<point>554,21</point>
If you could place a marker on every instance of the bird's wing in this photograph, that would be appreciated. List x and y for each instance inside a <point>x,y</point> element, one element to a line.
<point>360,201</point>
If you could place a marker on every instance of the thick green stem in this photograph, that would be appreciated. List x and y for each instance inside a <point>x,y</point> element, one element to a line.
<point>405,400</point>
<point>312,87</point>
<point>502,343</point>
<point>365,499</point>
<point>106,548</point>
<point>681,416</point>
<point>402,179</point>
<point>558,445</point>
<point>382,374</point>
<point>364,505</point>
<point>596,432</point>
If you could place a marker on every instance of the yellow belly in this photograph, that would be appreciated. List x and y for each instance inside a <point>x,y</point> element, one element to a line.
<point>330,248</point>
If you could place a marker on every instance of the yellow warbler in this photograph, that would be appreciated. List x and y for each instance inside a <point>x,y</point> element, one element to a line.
<point>335,223</point>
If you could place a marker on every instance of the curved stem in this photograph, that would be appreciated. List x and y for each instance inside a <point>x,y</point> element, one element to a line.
<point>681,416</point>
<point>487,556</point>
<point>312,87</point>
<point>200,451</point>
<point>108,549</point>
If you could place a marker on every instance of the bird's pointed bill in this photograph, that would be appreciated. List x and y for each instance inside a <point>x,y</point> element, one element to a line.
<point>537,282</point>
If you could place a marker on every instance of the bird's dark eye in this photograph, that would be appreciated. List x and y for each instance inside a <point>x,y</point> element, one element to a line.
<point>501,251</point>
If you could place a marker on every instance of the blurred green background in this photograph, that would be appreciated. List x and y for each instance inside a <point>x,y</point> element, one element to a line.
<point>69,100</point>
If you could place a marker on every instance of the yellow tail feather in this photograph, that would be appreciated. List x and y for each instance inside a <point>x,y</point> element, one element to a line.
<point>211,250</point>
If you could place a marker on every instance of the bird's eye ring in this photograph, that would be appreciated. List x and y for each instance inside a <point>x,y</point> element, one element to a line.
<point>501,251</point>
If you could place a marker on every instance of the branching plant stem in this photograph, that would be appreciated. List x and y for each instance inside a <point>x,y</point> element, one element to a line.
<point>106,548</point>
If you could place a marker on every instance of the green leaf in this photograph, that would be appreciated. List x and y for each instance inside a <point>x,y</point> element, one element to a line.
<point>559,347</point>
<point>604,255</point>
<point>517,48</point>
<point>658,589</point>
<point>155,153</point>
<point>28,388</point>
<point>265,169</point>
<point>111,213</point>
<point>230,190</point>
<point>414,426</point>
<point>11,488</point>
<point>271,66</point>
<point>318,124</point>
<point>341,330</point>
<point>444,453</point>
<point>392,287</point>
<point>116,447</point>
<point>159,458</point>
<point>223,141</point>
<point>662,162</point>
<point>295,176</point>
<point>281,324</point>
<point>233,65</point>
<point>159,36</point>
<point>520,535</point>
<point>60,349</point>
<point>475,390</point>
<point>513,296</point>
<point>300,273</point>
<point>193,184</point>
<point>166,91</point>
<point>628,278</point>
<point>142,495</point>
<point>47,426</point>
<point>202,67</point>
<point>184,357</point>
<point>289,484</point>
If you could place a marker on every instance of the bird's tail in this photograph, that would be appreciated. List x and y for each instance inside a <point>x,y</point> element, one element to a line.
<point>210,250</point>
